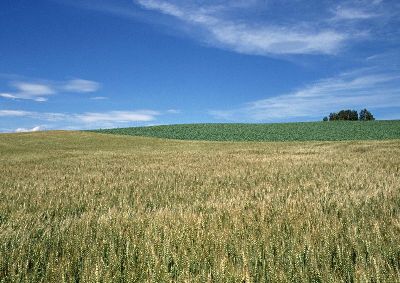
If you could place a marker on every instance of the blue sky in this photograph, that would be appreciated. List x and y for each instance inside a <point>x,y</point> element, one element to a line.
<point>83,64</point>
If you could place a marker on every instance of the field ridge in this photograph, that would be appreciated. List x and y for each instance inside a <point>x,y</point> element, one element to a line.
<point>299,131</point>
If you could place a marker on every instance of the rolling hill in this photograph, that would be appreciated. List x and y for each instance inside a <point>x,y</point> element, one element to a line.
<point>309,131</point>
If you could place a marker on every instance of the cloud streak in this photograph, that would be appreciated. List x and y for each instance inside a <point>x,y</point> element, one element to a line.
<point>85,120</point>
<point>99,98</point>
<point>14,113</point>
<point>34,129</point>
<point>87,117</point>
<point>80,85</point>
<point>270,28</point>
<point>40,91</point>
<point>33,91</point>
<point>117,116</point>
<point>346,13</point>
<point>251,38</point>
<point>356,89</point>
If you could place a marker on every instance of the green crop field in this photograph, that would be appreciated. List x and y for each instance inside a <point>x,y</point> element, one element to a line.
<point>311,131</point>
<point>88,207</point>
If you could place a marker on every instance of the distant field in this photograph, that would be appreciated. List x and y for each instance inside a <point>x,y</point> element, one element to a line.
<point>87,207</point>
<point>312,131</point>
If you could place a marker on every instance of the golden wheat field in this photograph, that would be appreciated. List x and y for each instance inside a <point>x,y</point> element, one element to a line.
<point>86,207</point>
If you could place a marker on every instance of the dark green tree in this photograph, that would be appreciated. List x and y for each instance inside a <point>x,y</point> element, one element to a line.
<point>333,116</point>
<point>365,115</point>
<point>348,115</point>
<point>325,119</point>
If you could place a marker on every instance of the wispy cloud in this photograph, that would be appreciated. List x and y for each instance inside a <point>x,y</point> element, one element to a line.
<point>34,88</point>
<point>80,85</point>
<point>40,91</point>
<point>249,37</point>
<point>87,117</point>
<point>44,116</point>
<point>110,7</point>
<point>99,98</point>
<point>353,13</point>
<point>34,129</point>
<point>118,116</point>
<point>258,27</point>
<point>357,89</point>
<point>27,90</point>
<point>14,113</point>
<point>85,120</point>
<point>173,111</point>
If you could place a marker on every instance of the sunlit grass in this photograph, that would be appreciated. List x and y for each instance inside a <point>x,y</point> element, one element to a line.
<point>84,207</point>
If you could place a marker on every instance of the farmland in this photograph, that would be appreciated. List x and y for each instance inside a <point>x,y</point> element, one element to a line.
<point>87,207</point>
<point>311,131</point>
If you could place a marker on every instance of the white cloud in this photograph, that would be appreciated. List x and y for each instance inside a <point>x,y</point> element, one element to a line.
<point>352,13</point>
<point>87,119</point>
<point>173,111</point>
<point>40,91</point>
<point>34,129</point>
<point>40,99</point>
<point>268,28</point>
<point>356,89</point>
<point>14,113</point>
<point>252,38</point>
<point>48,116</point>
<point>8,95</point>
<point>34,89</point>
<point>99,98</point>
<point>117,116</point>
<point>79,85</point>
<point>258,27</point>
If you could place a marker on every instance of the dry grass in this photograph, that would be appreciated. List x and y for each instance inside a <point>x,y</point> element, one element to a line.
<point>84,207</point>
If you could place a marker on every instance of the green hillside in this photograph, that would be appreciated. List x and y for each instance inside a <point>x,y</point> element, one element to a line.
<point>317,131</point>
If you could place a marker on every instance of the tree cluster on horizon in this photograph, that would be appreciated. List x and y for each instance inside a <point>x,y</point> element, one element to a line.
<point>350,115</point>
